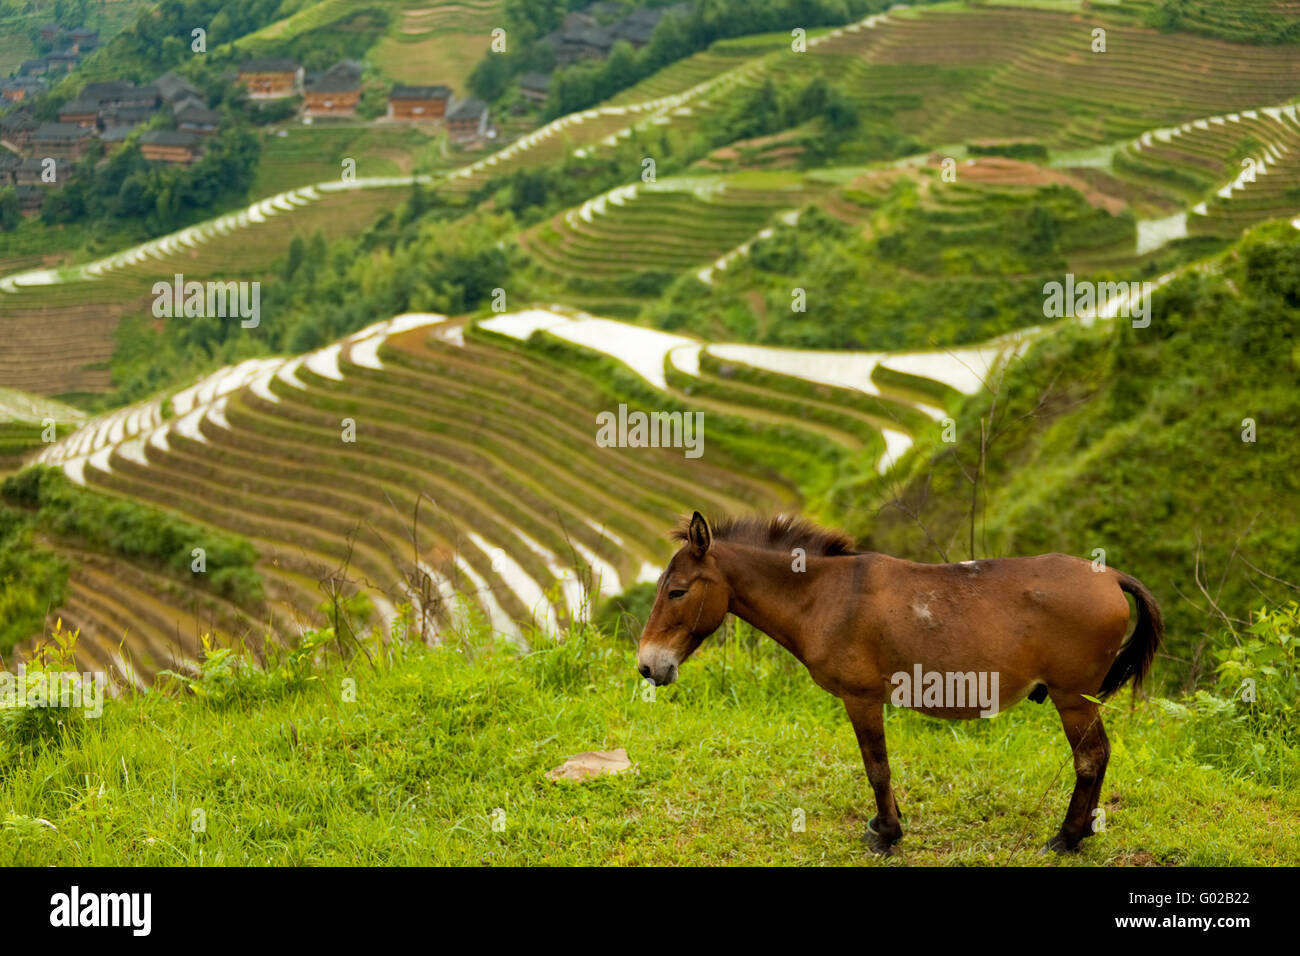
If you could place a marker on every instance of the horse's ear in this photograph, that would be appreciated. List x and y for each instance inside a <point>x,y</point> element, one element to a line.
<point>699,535</point>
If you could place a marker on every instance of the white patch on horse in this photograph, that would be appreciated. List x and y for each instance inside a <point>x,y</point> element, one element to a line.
<point>921,608</point>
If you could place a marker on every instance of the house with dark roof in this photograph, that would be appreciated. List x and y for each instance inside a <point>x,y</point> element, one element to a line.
<point>333,92</point>
<point>118,93</point>
<point>18,88</point>
<point>194,118</point>
<point>16,129</point>
<point>83,39</point>
<point>535,86</point>
<point>639,26</point>
<point>176,147</point>
<point>418,103</point>
<point>580,42</point>
<point>82,112</point>
<point>65,60</point>
<point>145,97</point>
<point>33,67</point>
<point>271,77</point>
<point>60,140</point>
<point>467,122</point>
<point>107,92</point>
<point>50,32</point>
<point>173,88</point>
<point>127,116</point>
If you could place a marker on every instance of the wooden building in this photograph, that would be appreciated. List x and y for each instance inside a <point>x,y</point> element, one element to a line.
<point>271,78</point>
<point>82,112</point>
<point>176,147</point>
<point>535,87</point>
<point>335,92</point>
<point>415,104</point>
<point>60,140</point>
<point>468,121</point>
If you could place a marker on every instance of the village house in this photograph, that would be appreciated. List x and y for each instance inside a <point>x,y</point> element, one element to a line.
<point>128,116</point>
<point>535,87</point>
<point>335,92</point>
<point>192,117</point>
<point>16,129</point>
<point>82,112</point>
<point>118,93</point>
<point>170,146</point>
<point>50,32</point>
<point>17,89</point>
<point>580,37</point>
<point>592,33</point>
<point>418,103</point>
<point>173,88</point>
<point>60,140</point>
<point>62,60</point>
<point>83,40</point>
<point>33,67</point>
<point>468,121</point>
<point>637,27</point>
<point>271,78</point>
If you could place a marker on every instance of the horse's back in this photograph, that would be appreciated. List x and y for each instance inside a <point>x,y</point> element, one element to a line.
<point>1031,618</point>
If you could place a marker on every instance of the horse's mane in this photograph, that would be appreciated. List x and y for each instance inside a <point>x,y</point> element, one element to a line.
<point>779,533</point>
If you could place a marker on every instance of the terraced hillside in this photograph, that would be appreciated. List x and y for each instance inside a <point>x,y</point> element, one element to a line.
<point>57,326</point>
<point>1007,72</point>
<point>493,427</point>
<point>629,239</point>
<point>1234,170</point>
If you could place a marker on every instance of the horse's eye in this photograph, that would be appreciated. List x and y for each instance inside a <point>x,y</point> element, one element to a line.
<point>675,593</point>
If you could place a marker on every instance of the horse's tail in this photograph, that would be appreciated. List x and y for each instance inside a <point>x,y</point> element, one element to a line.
<point>1135,657</point>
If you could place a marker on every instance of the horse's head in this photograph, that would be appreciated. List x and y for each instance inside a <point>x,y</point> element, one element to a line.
<point>690,605</point>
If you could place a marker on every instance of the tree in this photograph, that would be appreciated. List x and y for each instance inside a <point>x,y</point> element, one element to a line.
<point>11,214</point>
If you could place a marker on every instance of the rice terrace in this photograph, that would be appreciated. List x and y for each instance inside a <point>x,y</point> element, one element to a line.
<point>643,432</point>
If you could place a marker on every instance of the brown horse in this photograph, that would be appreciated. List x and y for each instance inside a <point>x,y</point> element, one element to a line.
<point>953,640</point>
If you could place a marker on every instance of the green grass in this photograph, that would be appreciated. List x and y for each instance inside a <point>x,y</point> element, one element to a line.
<point>440,743</point>
<point>311,154</point>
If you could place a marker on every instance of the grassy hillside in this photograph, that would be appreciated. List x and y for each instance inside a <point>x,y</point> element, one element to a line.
<point>1136,441</point>
<point>408,755</point>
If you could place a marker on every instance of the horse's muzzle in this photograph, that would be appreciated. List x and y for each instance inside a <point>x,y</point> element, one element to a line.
<point>657,666</point>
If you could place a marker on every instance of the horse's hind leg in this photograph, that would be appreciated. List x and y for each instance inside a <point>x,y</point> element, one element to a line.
<point>868,719</point>
<point>1081,719</point>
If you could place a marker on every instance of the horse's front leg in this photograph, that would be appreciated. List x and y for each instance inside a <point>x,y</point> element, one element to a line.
<point>868,716</point>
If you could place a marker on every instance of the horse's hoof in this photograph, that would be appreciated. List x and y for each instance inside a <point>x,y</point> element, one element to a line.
<point>1059,845</point>
<point>875,842</point>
